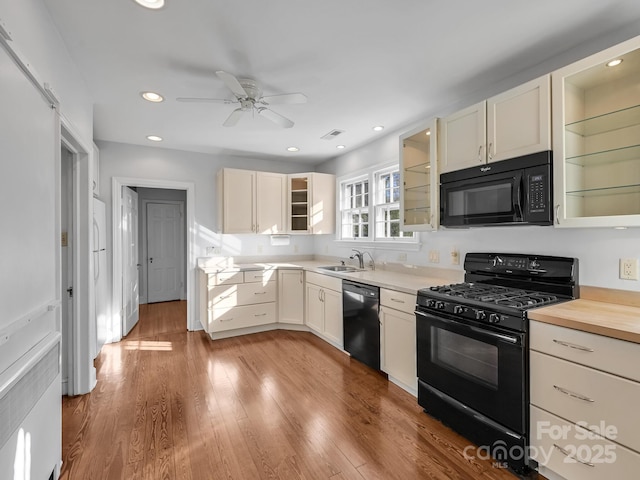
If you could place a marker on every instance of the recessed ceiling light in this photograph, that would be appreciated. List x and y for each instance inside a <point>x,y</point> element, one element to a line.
<point>152,97</point>
<point>340,147</point>
<point>152,4</point>
<point>293,149</point>
<point>378,128</point>
<point>154,138</point>
<point>615,62</point>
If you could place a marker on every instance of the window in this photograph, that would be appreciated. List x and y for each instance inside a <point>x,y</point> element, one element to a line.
<point>355,209</point>
<point>358,205</point>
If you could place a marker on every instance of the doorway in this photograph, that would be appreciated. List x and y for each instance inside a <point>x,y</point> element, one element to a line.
<point>188,289</point>
<point>67,242</point>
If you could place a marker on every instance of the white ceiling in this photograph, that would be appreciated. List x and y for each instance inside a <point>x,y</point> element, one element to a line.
<point>360,63</point>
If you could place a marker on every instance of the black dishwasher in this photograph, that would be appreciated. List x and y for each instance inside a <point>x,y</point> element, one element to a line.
<point>361,323</point>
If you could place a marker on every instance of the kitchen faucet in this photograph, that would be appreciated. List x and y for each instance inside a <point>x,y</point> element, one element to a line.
<point>360,256</point>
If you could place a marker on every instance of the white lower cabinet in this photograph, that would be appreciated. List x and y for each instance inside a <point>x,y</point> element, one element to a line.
<point>584,421</point>
<point>233,300</point>
<point>398,338</point>
<point>324,306</point>
<point>291,296</point>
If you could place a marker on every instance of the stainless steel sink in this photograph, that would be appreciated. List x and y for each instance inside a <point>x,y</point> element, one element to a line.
<point>339,268</point>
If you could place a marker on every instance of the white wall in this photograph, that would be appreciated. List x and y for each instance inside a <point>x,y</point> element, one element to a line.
<point>29,186</point>
<point>598,250</point>
<point>152,163</point>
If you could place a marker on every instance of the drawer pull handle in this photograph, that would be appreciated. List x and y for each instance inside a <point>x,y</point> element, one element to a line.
<point>567,454</point>
<point>260,315</point>
<point>574,395</point>
<point>259,293</point>
<point>222,297</point>
<point>573,345</point>
<point>226,319</point>
<point>396,300</point>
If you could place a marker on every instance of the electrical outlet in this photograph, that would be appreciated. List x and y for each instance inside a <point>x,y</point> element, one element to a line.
<point>629,268</point>
<point>434,256</point>
<point>402,257</point>
<point>455,257</point>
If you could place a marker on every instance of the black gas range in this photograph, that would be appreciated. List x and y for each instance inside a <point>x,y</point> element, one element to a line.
<point>472,346</point>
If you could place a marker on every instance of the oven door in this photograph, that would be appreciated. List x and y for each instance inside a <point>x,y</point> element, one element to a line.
<point>480,366</point>
<point>486,200</point>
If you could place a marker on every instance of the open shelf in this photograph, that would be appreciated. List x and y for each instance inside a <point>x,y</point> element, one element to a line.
<point>419,168</point>
<point>607,122</point>
<point>622,154</point>
<point>418,188</point>
<point>606,191</point>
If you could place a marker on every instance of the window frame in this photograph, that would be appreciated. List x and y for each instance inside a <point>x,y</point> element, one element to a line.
<point>376,204</point>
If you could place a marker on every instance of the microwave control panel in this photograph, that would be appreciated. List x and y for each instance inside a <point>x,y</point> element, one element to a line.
<point>538,193</point>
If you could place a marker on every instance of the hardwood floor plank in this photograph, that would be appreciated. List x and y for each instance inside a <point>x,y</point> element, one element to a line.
<point>278,405</point>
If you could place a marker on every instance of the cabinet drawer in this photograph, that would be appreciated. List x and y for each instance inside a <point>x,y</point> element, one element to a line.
<point>325,281</point>
<point>604,353</point>
<point>259,275</point>
<point>608,460</point>
<point>581,394</point>
<point>398,300</point>
<point>226,296</point>
<point>222,319</point>
<point>224,278</point>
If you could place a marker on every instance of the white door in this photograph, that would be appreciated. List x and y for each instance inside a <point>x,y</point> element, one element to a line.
<point>271,194</point>
<point>164,251</point>
<point>130,292</point>
<point>463,138</point>
<point>238,202</point>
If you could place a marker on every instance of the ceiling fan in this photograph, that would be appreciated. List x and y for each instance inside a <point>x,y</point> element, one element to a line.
<point>248,94</point>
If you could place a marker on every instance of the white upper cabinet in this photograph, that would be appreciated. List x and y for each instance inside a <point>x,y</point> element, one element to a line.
<point>596,145</point>
<point>508,125</point>
<point>419,178</point>
<point>251,202</point>
<point>311,203</point>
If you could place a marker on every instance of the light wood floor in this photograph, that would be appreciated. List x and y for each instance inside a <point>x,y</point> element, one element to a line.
<point>172,404</point>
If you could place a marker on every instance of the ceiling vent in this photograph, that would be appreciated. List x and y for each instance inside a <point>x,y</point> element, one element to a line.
<point>332,134</point>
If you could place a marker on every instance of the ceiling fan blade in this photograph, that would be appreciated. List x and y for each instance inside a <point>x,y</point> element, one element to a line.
<point>205,100</point>
<point>233,118</point>
<point>233,84</point>
<point>289,98</point>
<point>275,117</point>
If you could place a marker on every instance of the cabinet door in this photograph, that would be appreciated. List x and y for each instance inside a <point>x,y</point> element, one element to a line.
<point>596,151</point>
<point>271,194</point>
<point>419,179</point>
<point>323,204</point>
<point>398,359</point>
<point>238,201</point>
<point>463,138</point>
<point>519,121</point>
<point>315,308</point>
<point>333,316</point>
<point>291,296</point>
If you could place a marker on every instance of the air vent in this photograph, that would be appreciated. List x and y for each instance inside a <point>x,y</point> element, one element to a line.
<point>332,134</point>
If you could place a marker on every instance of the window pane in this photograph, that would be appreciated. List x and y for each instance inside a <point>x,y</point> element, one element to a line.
<point>365,230</point>
<point>365,217</point>
<point>394,214</point>
<point>358,188</point>
<point>366,199</point>
<point>396,179</point>
<point>396,195</point>
<point>395,229</point>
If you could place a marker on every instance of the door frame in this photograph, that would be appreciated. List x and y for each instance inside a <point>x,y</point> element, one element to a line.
<point>144,238</point>
<point>116,208</point>
<point>82,372</point>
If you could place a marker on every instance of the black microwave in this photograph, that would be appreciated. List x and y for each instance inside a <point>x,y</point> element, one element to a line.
<point>517,191</point>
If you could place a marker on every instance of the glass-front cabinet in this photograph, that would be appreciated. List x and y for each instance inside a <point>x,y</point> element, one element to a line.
<point>596,118</point>
<point>419,178</point>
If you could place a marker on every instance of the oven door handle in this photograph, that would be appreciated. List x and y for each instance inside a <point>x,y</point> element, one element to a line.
<point>487,333</point>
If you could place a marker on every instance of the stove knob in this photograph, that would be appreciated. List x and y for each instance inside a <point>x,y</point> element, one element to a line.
<point>458,309</point>
<point>494,318</point>
<point>480,315</point>
<point>440,305</point>
<point>431,303</point>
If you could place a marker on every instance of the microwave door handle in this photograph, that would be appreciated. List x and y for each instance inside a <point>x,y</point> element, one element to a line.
<point>518,193</point>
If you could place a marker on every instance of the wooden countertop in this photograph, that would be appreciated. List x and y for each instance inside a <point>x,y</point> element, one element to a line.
<point>608,312</point>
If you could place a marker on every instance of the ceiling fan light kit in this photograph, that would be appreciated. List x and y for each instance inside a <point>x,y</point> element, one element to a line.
<point>248,94</point>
